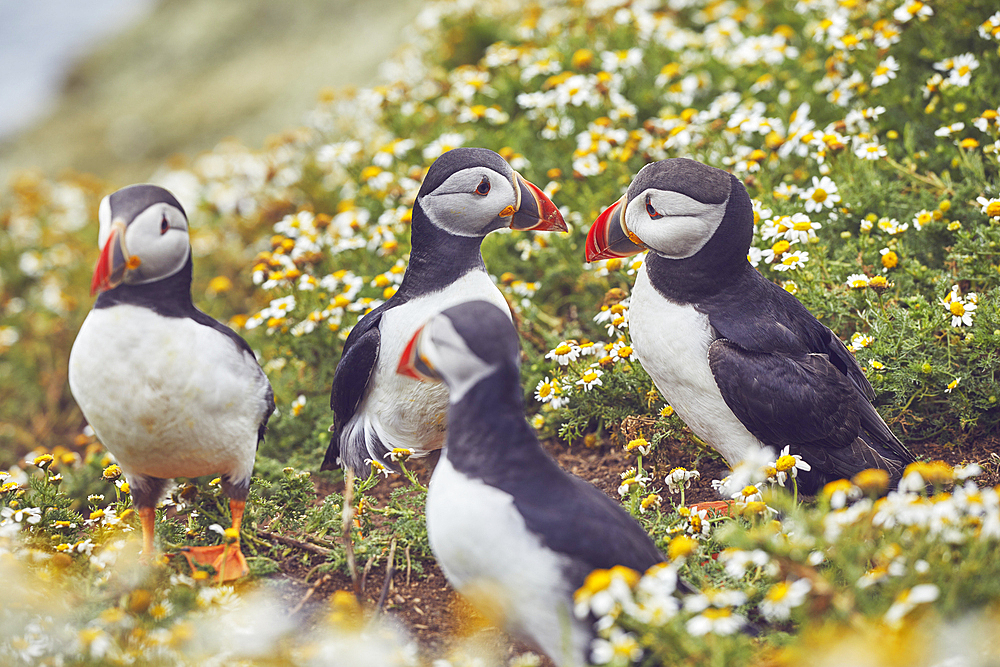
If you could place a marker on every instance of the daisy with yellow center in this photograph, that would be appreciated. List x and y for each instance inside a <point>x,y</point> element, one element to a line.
<point>775,251</point>
<point>378,466</point>
<point>748,494</point>
<point>921,218</point>
<point>787,466</point>
<point>857,281</point>
<point>782,597</point>
<point>546,390</point>
<point>649,502</point>
<point>872,480</point>
<point>399,454</point>
<point>716,621</point>
<point>885,72</point>
<point>961,309</point>
<point>564,353</point>
<point>681,546</point>
<point>989,207</point>
<point>879,283</point>
<point>838,492</point>
<point>591,378</point>
<point>822,195</point>
<point>641,444</point>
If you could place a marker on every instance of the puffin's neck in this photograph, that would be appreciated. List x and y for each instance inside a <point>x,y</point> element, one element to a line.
<point>170,297</point>
<point>437,258</point>
<point>691,281</point>
<point>487,429</point>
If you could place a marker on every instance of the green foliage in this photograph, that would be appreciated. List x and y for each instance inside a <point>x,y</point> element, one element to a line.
<point>891,187</point>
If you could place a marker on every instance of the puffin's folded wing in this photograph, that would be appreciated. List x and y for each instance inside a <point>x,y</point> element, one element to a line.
<point>350,380</point>
<point>787,399</point>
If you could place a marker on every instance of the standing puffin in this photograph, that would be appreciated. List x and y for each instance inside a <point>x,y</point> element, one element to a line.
<point>169,391</point>
<point>511,530</point>
<point>741,360</point>
<point>467,193</point>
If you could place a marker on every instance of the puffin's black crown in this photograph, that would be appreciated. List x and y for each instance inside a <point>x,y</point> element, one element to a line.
<point>688,177</point>
<point>487,331</point>
<point>132,200</point>
<point>461,158</point>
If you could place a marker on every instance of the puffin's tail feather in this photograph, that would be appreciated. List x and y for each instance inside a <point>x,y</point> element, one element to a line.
<point>332,459</point>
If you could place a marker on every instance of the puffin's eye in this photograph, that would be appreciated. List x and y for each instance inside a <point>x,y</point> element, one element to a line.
<point>484,187</point>
<point>164,225</point>
<point>653,213</point>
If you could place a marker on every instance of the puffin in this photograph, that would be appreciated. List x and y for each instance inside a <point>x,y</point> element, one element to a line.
<point>740,359</point>
<point>170,391</point>
<point>512,531</point>
<point>466,194</point>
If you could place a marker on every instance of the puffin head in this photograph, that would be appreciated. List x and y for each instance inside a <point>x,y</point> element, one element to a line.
<point>676,208</point>
<point>143,237</point>
<point>473,191</point>
<point>462,345</point>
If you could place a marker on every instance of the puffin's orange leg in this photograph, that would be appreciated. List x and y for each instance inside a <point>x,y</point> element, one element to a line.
<point>227,559</point>
<point>148,517</point>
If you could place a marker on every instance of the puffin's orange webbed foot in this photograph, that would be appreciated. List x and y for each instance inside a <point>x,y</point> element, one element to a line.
<point>227,559</point>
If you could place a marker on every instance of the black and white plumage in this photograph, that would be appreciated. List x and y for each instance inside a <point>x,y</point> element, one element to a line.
<point>170,391</point>
<point>467,193</point>
<point>510,529</point>
<point>741,360</point>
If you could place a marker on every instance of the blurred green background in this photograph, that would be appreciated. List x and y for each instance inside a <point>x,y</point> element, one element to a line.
<point>190,73</point>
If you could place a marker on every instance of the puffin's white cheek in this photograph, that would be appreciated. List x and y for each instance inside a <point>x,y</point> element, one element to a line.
<point>163,258</point>
<point>677,237</point>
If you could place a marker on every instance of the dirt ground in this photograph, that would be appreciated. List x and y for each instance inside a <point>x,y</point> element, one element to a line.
<point>427,607</point>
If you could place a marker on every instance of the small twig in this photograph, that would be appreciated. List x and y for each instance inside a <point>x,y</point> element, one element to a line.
<point>407,564</point>
<point>320,542</point>
<point>312,589</point>
<point>364,573</point>
<point>347,515</point>
<point>292,542</point>
<point>390,570</point>
<point>312,571</point>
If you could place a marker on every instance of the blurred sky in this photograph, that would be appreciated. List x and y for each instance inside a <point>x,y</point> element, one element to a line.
<point>40,40</point>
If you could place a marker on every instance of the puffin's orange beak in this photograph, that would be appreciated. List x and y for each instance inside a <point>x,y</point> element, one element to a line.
<point>536,211</point>
<point>414,365</point>
<point>113,262</point>
<point>608,237</point>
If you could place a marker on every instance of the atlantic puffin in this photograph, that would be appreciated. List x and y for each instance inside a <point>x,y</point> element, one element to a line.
<point>466,194</point>
<point>740,359</point>
<point>511,530</point>
<point>169,391</point>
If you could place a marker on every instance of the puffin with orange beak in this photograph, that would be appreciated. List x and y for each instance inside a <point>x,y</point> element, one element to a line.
<point>169,391</point>
<point>741,360</point>
<point>466,194</point>
<point>512,531</point>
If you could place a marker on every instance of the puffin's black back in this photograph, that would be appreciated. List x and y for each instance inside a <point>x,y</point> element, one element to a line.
<point>489,439</point>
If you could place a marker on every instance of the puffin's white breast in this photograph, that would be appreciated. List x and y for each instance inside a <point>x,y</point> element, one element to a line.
<point>488,554</point>
<point>403,411</point>
<point>167,396</point>
<point>671,341</point>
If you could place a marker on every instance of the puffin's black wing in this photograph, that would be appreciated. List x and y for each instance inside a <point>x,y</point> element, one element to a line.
<point>813,383</point>
<point>573,517</point>
<point>805,402</point>
<point>350,380</point>
<point>786,398</point>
